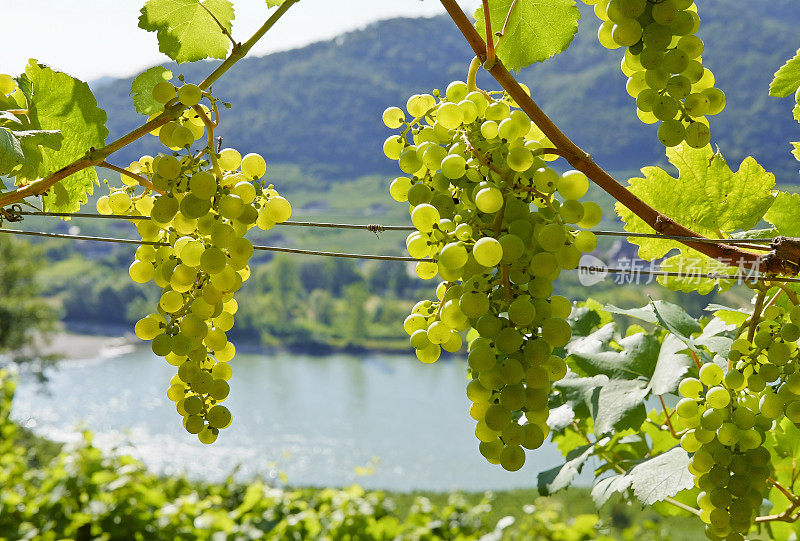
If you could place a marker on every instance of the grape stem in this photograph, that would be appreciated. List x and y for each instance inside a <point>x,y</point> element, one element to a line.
<point>140,179</point>
<point>668,417</point>
<point>472,74</point>
<point>210,149</point>
<point>583,162</point>
<point>95,156</point>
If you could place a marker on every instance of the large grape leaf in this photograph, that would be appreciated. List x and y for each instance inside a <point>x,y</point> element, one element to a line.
<point>142,89</point>
<point>787,78</point>
<point>275,3</point>
<point>537,29</point>
<point>783,214</point>
<point>186,30</point>
<point>65,104</point>
<point>708,197</point>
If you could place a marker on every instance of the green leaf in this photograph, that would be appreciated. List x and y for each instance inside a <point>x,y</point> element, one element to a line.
<point>21,149</point>
<point>796,150</point>
<point>662,476</point>
<point>142,90</point>
<point>620,405</point>
<point>275,3</point>
<point>787,78</point>
<point>537,29</point>
<point>593,355</point>
<point>670,314</point>
<point>708,197</point>
<point>186,30</point>
<point>671,365</point>
<point>608,486</point>
<point>783,214</point>
<point>65,104</point>
<point>555,479</point>
<point>796,112</point>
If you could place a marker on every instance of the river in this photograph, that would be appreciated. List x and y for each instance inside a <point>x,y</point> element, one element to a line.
<point>314,418</point>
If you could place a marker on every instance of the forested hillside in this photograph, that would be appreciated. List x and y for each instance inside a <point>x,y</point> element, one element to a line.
<point>319,107</point>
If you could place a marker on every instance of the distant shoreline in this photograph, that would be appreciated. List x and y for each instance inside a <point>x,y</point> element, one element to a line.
<point>86,340</point>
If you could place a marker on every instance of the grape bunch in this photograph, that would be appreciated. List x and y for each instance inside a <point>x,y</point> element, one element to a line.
<point>663,64</point>
<point>498,225</point>
<point>728,416</point>
<point>194,248</point>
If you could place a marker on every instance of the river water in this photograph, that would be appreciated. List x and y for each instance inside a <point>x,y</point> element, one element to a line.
<point>314,418</point>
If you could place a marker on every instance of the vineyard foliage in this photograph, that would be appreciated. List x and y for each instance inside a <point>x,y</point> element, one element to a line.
<point>689,416</point>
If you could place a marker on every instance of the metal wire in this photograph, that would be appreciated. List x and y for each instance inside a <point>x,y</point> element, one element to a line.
<point>597,270</point>
<point>263,248</point>
<point>377,228</point>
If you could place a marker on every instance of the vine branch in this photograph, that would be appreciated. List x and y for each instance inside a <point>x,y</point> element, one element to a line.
<point>582,161</point>
<point>138,178</point>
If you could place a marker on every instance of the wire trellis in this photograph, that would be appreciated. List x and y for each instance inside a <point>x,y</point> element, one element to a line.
<point>755,277</point>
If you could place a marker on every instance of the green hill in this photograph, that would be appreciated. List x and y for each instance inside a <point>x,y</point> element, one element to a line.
<point>319,107</point>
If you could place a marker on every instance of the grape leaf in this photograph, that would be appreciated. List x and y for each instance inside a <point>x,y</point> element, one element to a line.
<point>783,214</point>
<point>275,3</point>
<point>20,149</point>
<point>673,315</point>
<point>608,486</point>
<point>142,89</point>
<point>787,78</point>
<point>796,150</point>
<point>537,29</point>
<point>796,112</point>
<point>670,367</point>
<point>186,30</point>
<point>593,356</point>
<point>620,405</point>
<point>708,197</point>
<point>660,477</point>
<point>62,103</point>
<point>555,479</point>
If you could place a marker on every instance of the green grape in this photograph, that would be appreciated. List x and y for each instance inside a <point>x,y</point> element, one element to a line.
<point>718,397</point>
<point>393,117</point>
<point>711,374</point>
<point>698,135</point>
<point>552,237</point>
<point>512,457</point>
<point>556,332</point>
<point>671,133</point>
<point>254,166</point>
<point>489,200</point>
<point>141,272</point>
<point>229,159</point>
<point>190,95</point>
<point>487,252</point>
<point>716,100</point>
<point>573,185</point>
<point>592,215</point>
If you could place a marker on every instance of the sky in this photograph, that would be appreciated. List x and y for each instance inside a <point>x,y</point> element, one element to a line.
<point>93,38</point>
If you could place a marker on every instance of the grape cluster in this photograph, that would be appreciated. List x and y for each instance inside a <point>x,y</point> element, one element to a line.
<point>728,416</point>
<point>499,225</point>
<point>194,249</point>
<point>663,64</point>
